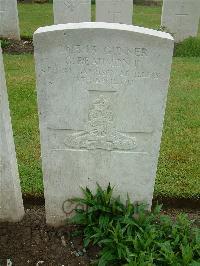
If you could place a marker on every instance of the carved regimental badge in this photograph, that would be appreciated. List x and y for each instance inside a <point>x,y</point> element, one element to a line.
<point>100,131</point>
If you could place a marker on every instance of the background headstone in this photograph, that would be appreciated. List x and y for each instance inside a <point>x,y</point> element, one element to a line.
<point>11,205</point>
<point>102,90</point>
<point>181,18</point>
<point>9,23</point>
<point>116,11</point>
<point>66,11</point>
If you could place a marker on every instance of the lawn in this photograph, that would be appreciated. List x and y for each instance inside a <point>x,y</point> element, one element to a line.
<point>33,16</point>
<point>178,169</point>
<point>20,77</point>
<point>179,166</point>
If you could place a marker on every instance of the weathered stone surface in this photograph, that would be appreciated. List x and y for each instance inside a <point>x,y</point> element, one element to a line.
<point>11,206</point>
<point>102,90</point>
<point>66,11</point>
<point>116,11</point>
<point>9,24</point>
<point>181,18</point>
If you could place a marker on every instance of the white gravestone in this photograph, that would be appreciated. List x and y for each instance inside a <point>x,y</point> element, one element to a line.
<point>102,90</point>
<point>115,11</point>
<point>9,23</point>
<point>66,11</point>
<point>11,205</point>
<point>181,18</point>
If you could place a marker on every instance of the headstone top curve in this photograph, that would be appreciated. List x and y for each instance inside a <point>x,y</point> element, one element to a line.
<point>104,25</point>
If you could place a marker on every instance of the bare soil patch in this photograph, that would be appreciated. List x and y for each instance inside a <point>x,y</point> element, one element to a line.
<point>18,47</point>
<point>32,242</point>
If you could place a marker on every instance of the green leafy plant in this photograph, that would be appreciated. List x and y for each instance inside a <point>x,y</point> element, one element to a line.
<point>5,43</point>
<point>130,235</point>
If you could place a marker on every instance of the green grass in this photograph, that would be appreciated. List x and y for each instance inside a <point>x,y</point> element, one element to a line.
<point>20,77</point>
<point>146,16</point>
<point>33,16</point>
<point>178,169</point>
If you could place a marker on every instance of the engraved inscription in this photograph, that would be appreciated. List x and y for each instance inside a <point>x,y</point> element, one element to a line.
<point>182,11</point>
<point>70,5</point>
<point>181,17</point>
<point>115,13</point>
<point>106,66</point>
<point>116,16</point>
<point>101,132</point>
<point>74,6</point>
<point>182,14</point>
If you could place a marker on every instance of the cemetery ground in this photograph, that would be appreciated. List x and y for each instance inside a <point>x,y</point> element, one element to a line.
<point>178,176</point>
<point>33,16</point>
<point>179,158</point>
<point>31,241</point>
